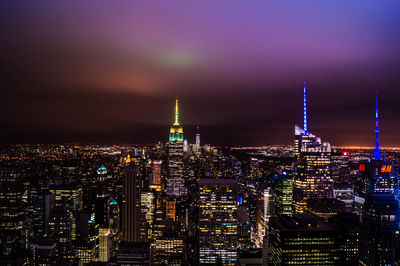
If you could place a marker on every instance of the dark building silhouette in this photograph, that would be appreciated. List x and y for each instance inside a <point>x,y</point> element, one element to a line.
<point>133,229</point>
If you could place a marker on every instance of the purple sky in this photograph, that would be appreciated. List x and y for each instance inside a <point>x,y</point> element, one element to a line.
<point>101,72</point>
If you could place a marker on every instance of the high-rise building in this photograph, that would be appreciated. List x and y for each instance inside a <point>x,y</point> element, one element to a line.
<point>105,244</point>
<point>59,230</point>
<point>11,212</point>
<point>168,249</point>
<point>175,183</point>
<point>42,252</point>
<point>283,194</point>
<point>114,221</point>
<point>69,195</point>
<point>325,208</point>
<point>156,180</point>
<point>380,215</point>
<point>269,202</point>
<point>147,210</point>
<point>301,239</point>
<point>218,239</point>
<point>85,252</point>
<point>133,226</point>
<point>344,192</point>
<point>312,168</point>
<point>170,209</point>
<point>175,146</point>
<point>130,253</point>
<point>348,225</point>
<point>42,204</point>
<point>197,137</point>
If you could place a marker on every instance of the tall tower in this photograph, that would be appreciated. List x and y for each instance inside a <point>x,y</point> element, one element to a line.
<point>380,214</point>
<point>197,137</point>
<point>132,224</point>
<point>304,108</point>
<point>312,168</point>
<point>175,184</point>
<point>176,132</point>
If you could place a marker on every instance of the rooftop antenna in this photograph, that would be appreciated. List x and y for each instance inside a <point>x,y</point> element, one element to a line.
<point>176,112</point>
<point>304,109</point>
<point>377,150</point>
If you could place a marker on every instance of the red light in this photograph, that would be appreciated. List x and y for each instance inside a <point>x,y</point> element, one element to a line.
<point>361,168</point>
<point>345,153</point>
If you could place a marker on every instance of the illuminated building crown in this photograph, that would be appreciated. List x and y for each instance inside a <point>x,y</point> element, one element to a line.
<point>176,131</point>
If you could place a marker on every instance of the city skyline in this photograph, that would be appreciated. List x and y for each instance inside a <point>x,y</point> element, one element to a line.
<point>109,77</point>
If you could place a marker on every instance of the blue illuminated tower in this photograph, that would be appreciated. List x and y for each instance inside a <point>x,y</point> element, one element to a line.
<point>380,212</point>
<point>312,178</point>
<point>304,109</point>
<point>377,150</point>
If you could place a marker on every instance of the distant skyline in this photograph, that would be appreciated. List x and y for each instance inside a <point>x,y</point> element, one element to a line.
<point>98,72</point>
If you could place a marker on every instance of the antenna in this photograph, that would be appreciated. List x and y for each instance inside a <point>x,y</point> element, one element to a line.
<point>304,108</point>
<point>377,150</point>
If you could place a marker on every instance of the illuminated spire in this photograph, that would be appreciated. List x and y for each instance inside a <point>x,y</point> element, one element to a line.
<point>377,150</point>
<point>128,159</point>
<point>304,109</point>
<point>176,112</point>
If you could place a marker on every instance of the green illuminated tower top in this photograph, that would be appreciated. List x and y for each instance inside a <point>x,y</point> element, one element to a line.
<point>176,132</point>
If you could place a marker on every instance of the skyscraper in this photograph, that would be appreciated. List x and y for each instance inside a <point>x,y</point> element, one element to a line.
<point>69,195</point>
<point>132,223</point>
<point>11,212</point>
<point>284,194</point>
<point>312,168</point>
<point>156,172</point>
<point>175,183</point>
<point>175,147</point>
<point>218,239</point>
<point>105,244</point>
<point>302,239</point>
<point>380,215</point>
<point>197,137</point>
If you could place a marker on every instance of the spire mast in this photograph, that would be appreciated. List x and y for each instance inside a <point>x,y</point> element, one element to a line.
<point>377,150</point>
<point>304,108</point>
<point>176,112</point>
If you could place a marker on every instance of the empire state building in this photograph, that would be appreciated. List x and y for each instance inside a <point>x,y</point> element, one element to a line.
<point>175,184</point>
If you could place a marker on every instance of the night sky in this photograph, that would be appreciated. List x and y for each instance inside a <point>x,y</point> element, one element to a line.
<point>98,72</point>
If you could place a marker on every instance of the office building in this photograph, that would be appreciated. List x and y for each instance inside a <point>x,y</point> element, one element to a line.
<point>42,252</point>
<point>218,239</point>
<point>283,185</point>
<point>130,253</point>
<point>302,239</point>
<point>380,216</point>
<point>105,244</point>
<point>12,215</point>
<point>133,224</point>
<point>69,195</point>
<point>348,225</point>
